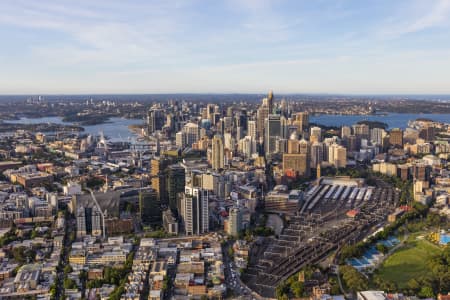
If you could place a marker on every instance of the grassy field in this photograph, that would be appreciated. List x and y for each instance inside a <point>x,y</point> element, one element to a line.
<point>408,262</point>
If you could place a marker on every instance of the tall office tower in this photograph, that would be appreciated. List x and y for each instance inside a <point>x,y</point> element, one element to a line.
<point>293,143</point>
<point>346,131</point>
<point>251,130</point>
<point>315,134</point>
<point>158,179</point>
<point>284,108</point>
<point>428,133</point>
<point>194,209</point>
<point>353,143</point>
<point>281,145</point>
<point>316,154</point>
<point>234,221</point>
<point>239,133</point>
<point>377,135</point>
<point>155,120</point>
<point>261,116</point>
<point>149,207</point>
<point>337,156</point>
<point>192,133</point>
<point>96,221</point>
<point>180,139</point>
<point>210,113</point>
<point>303,146</point>
<point>247,146</point>
<point>270,101</point>
<point>301,121</point>
<point>227,124</point>
<point>284,127</point>
<point>217,160</point>
<point>175,179</point>
<point>228,141</point>
<point>361,131</point>
<point>396,137</point>
<point>81,222</point>
<point>273,131</point>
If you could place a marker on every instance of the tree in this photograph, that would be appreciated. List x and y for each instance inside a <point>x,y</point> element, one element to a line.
<point>67,269</point>
<point>382,248</point>
<point>354,280</point>
<point>69,284</point>
<point>426,292</point>
<point>297,289</point>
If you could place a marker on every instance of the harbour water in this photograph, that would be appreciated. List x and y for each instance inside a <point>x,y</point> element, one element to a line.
<point>393,120</point>
<point>116,129</point>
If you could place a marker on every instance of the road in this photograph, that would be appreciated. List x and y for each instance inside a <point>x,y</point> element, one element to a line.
<point>233,280</point>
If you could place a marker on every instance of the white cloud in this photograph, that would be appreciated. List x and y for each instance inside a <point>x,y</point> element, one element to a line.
<point>425,15</point>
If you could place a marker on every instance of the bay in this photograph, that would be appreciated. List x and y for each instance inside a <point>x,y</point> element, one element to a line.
<point>393,120</point>
<point>116,129</point>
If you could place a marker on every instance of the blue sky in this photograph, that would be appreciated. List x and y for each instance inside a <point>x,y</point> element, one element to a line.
<point>321,46</point>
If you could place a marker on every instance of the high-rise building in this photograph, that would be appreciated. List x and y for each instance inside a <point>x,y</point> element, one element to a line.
<point>149,207</point>
<point>175,179</point>
<point>89,221</point>
<point>346,131</point>
<point>337,156</point>
<point>377,135</point>
<point>234,221</point>
<point>315,134</point>
<point>316,154</point>
<point>247,146</point>
<point>251,131</point>
<point>180,139</point>
<point>81,222</point>
<point>270,101</point>
<point>361,131</point>
<point>301,121</point>
<point>261,116</point>
<point>194,210</point>
<point>192,133</point>
<point>217,160</point>
<point>158,179</point>
<point>273,132</point>
<point>155,120</point>
<point>396,137</point>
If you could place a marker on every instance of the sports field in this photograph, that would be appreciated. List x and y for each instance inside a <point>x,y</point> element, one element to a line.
<point>408,262</point>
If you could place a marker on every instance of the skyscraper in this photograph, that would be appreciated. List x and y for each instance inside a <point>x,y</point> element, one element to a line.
<point>270,101</point>
<point>261,116</point>
<point>273,132</point>
<point>175,179</point>
<point>316,154</point>
<point>251,130</point>
<point>194,210</point>
<point>315,134</point>
<point>301,121</point>
<point>155,120</point>
<point>149,207</point>
<point>192,133</point>
<point>234,221</point>
<point>396,137</point>
<point>217,160</point>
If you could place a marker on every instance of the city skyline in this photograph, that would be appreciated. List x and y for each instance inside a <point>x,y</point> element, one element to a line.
<point>329,47</point>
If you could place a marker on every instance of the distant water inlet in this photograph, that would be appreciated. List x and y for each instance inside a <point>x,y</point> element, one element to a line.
<point>393,120</point>
<point>116,129</point>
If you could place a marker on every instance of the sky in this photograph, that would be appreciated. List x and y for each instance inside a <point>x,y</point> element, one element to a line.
<point>229,46</point>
